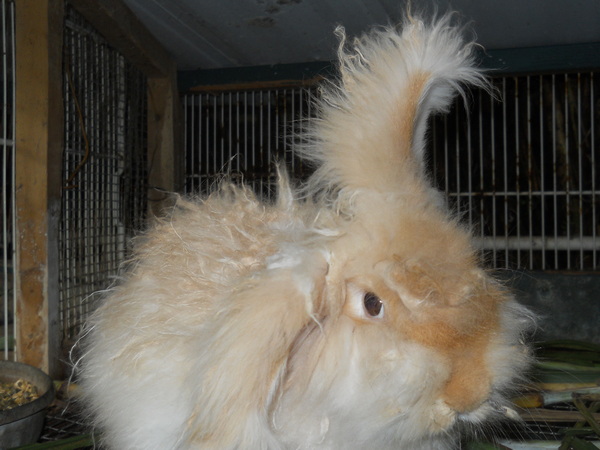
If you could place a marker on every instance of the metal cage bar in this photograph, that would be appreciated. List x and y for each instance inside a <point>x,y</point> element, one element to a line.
<point>242,134</point>
<point>7,143</point>
<point>104,167</point>
<point>537,170</point>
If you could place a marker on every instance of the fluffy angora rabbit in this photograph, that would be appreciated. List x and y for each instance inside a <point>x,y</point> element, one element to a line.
<point>349,314</point>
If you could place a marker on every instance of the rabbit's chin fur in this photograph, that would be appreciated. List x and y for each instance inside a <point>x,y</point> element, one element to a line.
<point>349,314</point>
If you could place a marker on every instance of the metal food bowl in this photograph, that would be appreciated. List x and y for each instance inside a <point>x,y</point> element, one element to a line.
<point>23,424</point>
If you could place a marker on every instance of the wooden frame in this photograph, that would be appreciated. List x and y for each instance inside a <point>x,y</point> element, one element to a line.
<point>39,141</point>
<point>39,147</point>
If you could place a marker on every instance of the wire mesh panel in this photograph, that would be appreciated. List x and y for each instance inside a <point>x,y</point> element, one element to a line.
<point>243,134</point>
<point>104,167</point>
<point>522,172</point>
<point>7,176</point>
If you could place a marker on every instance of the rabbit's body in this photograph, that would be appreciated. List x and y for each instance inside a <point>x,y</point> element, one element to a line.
<point>358,319</point>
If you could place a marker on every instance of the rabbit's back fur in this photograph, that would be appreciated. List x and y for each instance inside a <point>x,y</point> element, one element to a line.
<point>349,314</point>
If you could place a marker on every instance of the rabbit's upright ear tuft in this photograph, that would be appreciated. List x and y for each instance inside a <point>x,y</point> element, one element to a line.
<point>372,127</point>
<point>249,343</point>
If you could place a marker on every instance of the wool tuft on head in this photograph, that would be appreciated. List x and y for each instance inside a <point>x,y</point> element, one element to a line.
<point>352,313</point>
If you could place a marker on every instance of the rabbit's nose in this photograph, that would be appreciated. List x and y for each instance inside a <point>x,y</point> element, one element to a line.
<point>468,387</point>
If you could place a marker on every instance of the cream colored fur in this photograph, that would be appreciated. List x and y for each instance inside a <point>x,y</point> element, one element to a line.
<point>241,324</point>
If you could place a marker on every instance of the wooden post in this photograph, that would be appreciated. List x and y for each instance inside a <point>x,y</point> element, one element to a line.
<point>39,141</point>
<point>164,142</point>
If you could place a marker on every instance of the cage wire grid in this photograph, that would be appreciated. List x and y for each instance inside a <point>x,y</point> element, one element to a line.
<point>7,143</point>
<point>522,171</point>
<point>104,168</point>
<point>242,135</point>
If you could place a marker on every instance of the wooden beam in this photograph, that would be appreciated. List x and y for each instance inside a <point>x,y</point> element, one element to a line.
<point>165,172</point>
<point>126,33</point>
<point>39,141</point>
<point>255,77</point>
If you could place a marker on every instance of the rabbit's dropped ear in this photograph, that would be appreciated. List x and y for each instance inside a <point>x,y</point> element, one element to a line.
<point>249,345</point>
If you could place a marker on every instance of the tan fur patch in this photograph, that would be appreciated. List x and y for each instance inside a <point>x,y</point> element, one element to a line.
<point>459,331</point>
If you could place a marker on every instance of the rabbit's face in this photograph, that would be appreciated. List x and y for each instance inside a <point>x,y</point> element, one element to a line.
<point>452,330</point>
<point>413,345</point>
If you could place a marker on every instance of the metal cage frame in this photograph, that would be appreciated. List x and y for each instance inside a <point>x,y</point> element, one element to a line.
<point>522,172</point>
<point>7,143</point>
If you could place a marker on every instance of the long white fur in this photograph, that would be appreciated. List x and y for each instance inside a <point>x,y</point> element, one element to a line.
<point>232,330</point>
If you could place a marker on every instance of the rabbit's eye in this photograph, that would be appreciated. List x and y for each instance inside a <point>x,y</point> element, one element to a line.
<point>364,304</point>
<point>373,305</point>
